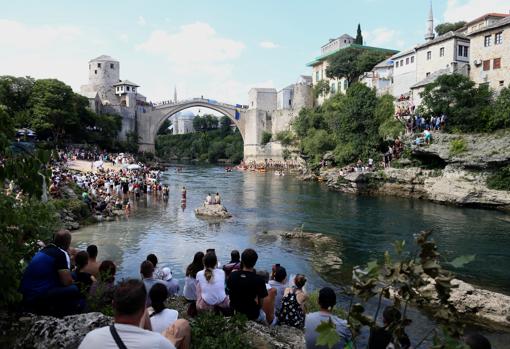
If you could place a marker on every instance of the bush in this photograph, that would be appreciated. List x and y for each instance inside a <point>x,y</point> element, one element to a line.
<point>266,138</point>
<point>500,180</point>
<point>458,146</point>
<point>285,137</point>
<point>209,330</point>
<point>499,116</point>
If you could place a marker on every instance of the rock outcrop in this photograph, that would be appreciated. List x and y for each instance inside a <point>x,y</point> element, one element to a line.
<point>212,211</point>
<point>49,332</point>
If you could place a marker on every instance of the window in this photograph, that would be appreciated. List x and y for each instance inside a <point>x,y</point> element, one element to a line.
<point>396,64</point>
<point>486,65</point>
<point>462,51</point>
<point>496,64</point>
<point>401,62</point>
<point>345,85</point>
<point>112,65</point>
<point>498,38</point>
<point>427,74</point>
<point>407,60</point>
<point>333,88</point>
<point>99,65</point>
<point>412,59</point>
<point>441,52</point>
<point>502,83</point>
<point>429,55</point>
<point>317,76</point>
<point>487,40</point>
<point>95,71</point>
<point>127,88</point>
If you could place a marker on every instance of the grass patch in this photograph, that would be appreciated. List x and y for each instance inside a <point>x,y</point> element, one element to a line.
<point>266,138</point>
<point>500,180</point>
<point>209,330</point>
<point>458,146</point>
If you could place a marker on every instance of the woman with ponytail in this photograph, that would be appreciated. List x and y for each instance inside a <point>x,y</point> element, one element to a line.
<point>211,285</point>
<point>160,316</point>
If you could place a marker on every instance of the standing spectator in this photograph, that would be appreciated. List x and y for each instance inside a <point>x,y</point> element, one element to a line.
<point>247,289</point>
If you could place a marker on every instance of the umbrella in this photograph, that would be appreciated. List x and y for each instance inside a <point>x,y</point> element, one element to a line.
<point>133,167</point>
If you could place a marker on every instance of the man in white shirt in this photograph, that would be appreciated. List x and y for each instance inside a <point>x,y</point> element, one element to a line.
<point>129,310</point>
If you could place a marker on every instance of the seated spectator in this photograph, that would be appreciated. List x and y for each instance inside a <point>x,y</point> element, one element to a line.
<point>247,289</point>
<point>93,265</point>
<point>327,300</point>
<point>129,310</point>
<point>477,341</point>
<point>172,284</point>
<point>268,303</point>
<point>47,284</point>
<point>211,285</point>
<point>147,272</point>
<point>234,264</point>
<point>101,291</point>
<point>158,273</point>
<point>160,316</point>
<point>382,337</point>
<point>292,312</point>
<point>190,282</point>
<point>83,279</point>
<point>278,282</point>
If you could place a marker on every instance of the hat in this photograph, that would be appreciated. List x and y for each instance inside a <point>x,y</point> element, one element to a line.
<point>167,274</point>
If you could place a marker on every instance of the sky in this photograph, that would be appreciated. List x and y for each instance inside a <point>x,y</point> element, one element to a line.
<point>218,49</point>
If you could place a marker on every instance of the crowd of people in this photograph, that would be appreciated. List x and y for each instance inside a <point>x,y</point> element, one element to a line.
<point>60,281</point>
<point>268,164</point>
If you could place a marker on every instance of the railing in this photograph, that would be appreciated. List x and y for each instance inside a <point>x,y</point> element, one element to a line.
<point>165,104</point>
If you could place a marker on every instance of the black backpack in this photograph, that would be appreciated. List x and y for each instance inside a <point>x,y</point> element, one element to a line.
<point>291,313</point>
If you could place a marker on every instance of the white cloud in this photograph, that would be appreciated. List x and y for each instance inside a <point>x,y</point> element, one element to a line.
<point>141,20</point>
<point>268,44</point>
<point>201,62</point>
<point>467,10</point>
<point>124,37</point>
<point>384,37</point>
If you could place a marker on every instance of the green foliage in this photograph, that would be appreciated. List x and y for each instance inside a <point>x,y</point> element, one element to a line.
<point>222,143</point>
<point>327,334</point>
<point>446,27</point>
<point>317,143</point>
<point>205,123</point>
<point>266,137</point>
<point>359,36</point>
<point>458,146</point>
<point>461,261</point>
<point>389,126</point>
<point>500,180</point>
<point>75,206</point>
<point>286,138</point>
<point>209,330</point>
<point>163,129</point>
<point>499,117</point>
<point>351,62</point>
<point>321,88</point>
<point>466,106</point>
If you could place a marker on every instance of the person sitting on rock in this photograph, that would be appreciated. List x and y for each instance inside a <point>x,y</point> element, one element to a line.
<point>101,291</point>
<point>268,303</point>
<point>190,282</point>
<point>292,311</point>
<point>92,266</point>
<point>327,300</point>
<point>160,316</point>
<point>208,199</point>
<point>47,284</point>
<point>234,264</point>
<point>158,273</point>
<point>217,199</point>
<point>382,337</point>
<point>247,289</point>
<point>211,285</point>
<point>126,332</point>
<point>83,279</point>
<point>279,282</point>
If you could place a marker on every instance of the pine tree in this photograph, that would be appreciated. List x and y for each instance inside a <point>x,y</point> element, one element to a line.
<point>359,37</point>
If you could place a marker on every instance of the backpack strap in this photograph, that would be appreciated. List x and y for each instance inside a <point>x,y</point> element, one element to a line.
<point>116,337</point>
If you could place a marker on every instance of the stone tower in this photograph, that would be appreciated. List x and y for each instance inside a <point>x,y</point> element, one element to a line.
<point>303,96</point>
<point>430,25</point>
<point>104,71</point>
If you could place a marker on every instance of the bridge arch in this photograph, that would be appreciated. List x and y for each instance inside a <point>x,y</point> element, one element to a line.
<point>150,122</point>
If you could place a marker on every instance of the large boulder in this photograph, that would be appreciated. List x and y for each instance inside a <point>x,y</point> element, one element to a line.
<point>49,332</point>
<point>273,337</point>
<point>212,211</point>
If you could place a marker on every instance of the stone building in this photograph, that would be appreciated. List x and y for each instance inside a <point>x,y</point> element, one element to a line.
<point>320,64</point>
<point>182,122</point>
<point>490,51</point>
<point>108,94</point>
<point>404,72</point>
<point>380,77</point>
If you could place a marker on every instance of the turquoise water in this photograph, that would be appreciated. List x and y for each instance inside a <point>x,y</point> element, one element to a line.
<point>363,226</point>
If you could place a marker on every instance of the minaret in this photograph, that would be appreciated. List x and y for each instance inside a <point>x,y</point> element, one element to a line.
<point>175,94</point>
<point>430,25</point>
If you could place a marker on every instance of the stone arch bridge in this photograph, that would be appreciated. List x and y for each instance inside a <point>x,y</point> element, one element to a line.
<point>250,122</point>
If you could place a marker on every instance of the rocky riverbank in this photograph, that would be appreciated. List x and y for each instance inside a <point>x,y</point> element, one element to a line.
<point>439,172</point>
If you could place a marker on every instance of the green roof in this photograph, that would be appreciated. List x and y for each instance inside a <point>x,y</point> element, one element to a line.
<point>326,55</point>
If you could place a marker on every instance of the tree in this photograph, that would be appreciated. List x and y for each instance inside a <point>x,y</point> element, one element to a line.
<point>446,27</point>
<point>163,130</point>
<point>389,126</point>
<point>500,115</point>
<point>351,62</point>
<point>53,109</point>
<point>359,37</point>
<point>15,93</point>
<point>466,106</point>
<point>321,88</point>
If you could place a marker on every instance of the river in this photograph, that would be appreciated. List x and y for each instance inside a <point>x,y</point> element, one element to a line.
<point>363,226</point>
